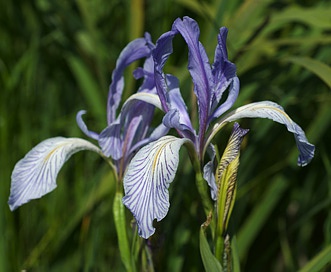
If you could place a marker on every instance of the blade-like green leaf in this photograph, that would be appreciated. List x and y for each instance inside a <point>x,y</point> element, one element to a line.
<point>320,69</point>
<point>120,224</point>
<point>258,217</point>
<point>320,261</point>
<point>210,263</point>
<point>89,87</point>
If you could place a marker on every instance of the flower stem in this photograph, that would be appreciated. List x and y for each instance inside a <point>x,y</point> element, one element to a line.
<point>121,230</point>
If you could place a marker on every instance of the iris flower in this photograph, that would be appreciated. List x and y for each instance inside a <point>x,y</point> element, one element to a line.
<point>35,174</point>
<point>153,168</point>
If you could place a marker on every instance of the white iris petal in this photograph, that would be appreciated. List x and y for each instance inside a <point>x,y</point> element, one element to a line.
<point>273,111</point>
<point>147,180</point>
<point>35,174</point>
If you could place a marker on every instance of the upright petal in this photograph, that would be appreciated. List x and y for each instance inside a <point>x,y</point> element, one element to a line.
<point>135,50</point>
<point>275,112</point>
<point>147,180</point>
<point>224,75</point>
<point>35,174</point>
<point>228,103</point>
<point>198,66</point>
<point>160,54</point>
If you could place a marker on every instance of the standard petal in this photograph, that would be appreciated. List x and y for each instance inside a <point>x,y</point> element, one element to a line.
<point>198,66</point>
<point>35,174</point>
<point>232,97</point>
<point>147,180</point>
<point>275,112</point>
<point>135,50</point>
<point>160,54</point>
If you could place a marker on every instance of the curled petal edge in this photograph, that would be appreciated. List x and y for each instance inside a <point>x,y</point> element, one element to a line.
<point>273,111</point>
<point>35,174</point>
<point>147,180</point>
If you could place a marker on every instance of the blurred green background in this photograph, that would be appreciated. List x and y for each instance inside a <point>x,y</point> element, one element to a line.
<point>56,57</point>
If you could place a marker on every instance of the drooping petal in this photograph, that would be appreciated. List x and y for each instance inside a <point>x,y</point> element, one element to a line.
<point>275,112</point>
<point>152,99</point>
<point>83,126</point>
<point>199,67</point>
<point>147,180</point>
<point>35,174</point>
<point>135,50</point>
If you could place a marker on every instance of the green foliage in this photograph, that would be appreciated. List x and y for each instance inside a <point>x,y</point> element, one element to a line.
<point>56,57</point>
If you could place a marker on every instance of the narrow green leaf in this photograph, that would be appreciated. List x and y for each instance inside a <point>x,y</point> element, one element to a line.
<point>89,87</point>
<point>320,69</point>
<point>235,256</point>
<point>210,262</point>
<point>258,217</point>
<point>320,261</point>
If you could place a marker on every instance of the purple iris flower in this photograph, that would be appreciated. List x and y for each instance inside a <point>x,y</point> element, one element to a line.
<point>154,167</point>
<point>35,174</point>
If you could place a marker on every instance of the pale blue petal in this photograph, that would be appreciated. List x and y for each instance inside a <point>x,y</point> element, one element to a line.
<point>172,119</point>
<point>157,133</point>
<point>111,142</point>
<point>275,112</point>
<point>199,67</point>
<point>135,50</point>
<point>176,102</point>
<point>232,97</point>
<point>83,126</point>
<point>147,180</point>
<point>152,99</point>
<point>35,174</point>
<point>209,173</point>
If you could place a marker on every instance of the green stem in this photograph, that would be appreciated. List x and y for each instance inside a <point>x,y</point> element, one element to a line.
<point>120,225</point>
<point>204,192</point>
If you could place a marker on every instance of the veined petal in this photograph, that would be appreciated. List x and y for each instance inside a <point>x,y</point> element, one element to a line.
<point>147,180</point>
<point>35,174</point>
<point>83,126</point>
<point>157,133</point>
<point>275,112</point>
<point>111,141</point>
